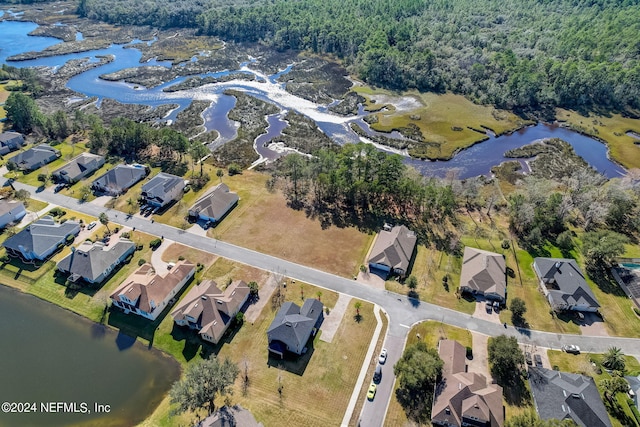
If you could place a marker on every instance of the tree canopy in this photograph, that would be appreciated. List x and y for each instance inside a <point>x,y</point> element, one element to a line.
<point>201,383</point>
<point>417,371</point>
<point>506,359</point>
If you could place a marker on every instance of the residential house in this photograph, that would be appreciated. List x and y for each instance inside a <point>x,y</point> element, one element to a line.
<point>119,179</point>
<point>40,239</point>
<point>564,285</point>
<point>484,273</point>
<point>215,204</point>
<point>162,189</point>
<point>146,292</point>
<point>464,398</point>
<point>78,168</point>
<point>93,262</point>
<point>292,327</point>
<point>393,250</point>
<point>35,157</point>
<point>634,388</point>
<point>10,141</point>
<point>209,310</point>
<point>565,396</point>
<point>11,211</point>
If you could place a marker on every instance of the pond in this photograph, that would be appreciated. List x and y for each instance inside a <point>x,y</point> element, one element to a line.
<point>50,355</point>
<point>476,160</point>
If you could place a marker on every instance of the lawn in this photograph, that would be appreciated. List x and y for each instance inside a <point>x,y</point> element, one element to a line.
<point>450,121</point>
<point>590,365</point>
<point>262,221</point>
<point>612,129</point>
<point>325,373</point>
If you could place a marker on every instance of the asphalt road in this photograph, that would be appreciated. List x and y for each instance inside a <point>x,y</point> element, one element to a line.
<point>402,311</point>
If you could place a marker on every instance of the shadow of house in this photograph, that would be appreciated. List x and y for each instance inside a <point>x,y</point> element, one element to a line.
<point>293,326</point>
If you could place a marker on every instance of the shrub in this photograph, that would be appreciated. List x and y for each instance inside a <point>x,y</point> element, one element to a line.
<point>234,169</point>
<point>126,235</point>
<point>155,243</point>
<point>69,239</point>
<point>636,310</point>
<point>469,353</point>
<point>55,212</point>
<point>139,247</point>
<point>199,267</point>
<point>180,258</point>
<point>141,261</point>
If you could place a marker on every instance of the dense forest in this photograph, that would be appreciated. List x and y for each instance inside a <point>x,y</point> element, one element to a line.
<point>516,54</point>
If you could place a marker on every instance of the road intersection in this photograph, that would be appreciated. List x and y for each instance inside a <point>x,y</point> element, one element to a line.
<point>402,312</point>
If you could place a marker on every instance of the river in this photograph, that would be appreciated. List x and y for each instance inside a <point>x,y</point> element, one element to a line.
<point>476,160</point>
<point>51,355</point>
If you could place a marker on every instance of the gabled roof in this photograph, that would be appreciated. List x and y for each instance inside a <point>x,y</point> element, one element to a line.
<point>394,248</point>
<point>9,205</point>
<point>293,325</point>
<point>91,260</point>
<point>78,166</point>
<point>41,235</point>
<point>483,271</point>
<point>145,285</point>
<point>42,153</point>
<point>160,185</point>
<point>567,276</point>
<point>212,308</point>
<point>464,395</point>
<point>6,137</point>
<point>120,178</point>
<point>215,203</point>
<point>562,395</point>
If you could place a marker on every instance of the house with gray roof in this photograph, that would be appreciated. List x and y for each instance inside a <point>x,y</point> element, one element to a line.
<point>10,141</point>
<point>564,285</point>
<point>11,211</point>
<point>162,189</point>
<point>209,310</point>
<point>78,168</point>
<point>293,326</point>
<point>93,262</point>
<point>35,157</point>
<point>40,239</point>
<point>392,250</point>
<point>634,388</point>
<point>483,273</point>
<point>147,293</point>
<point>565,396</point>
<point>464,398</point>
<point>119,179</point>
<point>215,204</point>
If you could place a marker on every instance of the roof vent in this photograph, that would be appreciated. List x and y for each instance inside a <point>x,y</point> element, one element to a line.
<point>204,297</point>
<point>558,265</point>
<point>575,395</point>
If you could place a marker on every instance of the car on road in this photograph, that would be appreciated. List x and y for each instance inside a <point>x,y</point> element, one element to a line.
<point>572,348</point>
<point>59,188</point>
<point>538,360</point>
<point>377,375</point>
<point>527,357</point>
<point>371,393</point>
<point>383,356</point>
<point>91,225</point>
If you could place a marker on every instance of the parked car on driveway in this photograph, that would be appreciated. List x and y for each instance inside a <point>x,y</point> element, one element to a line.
<point>538,360</point>
<point>572,348</point>
<point>527,357</point>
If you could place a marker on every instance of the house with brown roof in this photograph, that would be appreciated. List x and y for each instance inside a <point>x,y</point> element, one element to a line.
<point>464,398</point>
<point>146,292</point>
<point>215,204</point>
<point>209,310</point>
<point>392,250</point>
<point>484,273</point>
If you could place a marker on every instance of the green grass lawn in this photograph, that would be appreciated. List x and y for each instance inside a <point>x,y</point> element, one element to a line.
<point>590,365</point>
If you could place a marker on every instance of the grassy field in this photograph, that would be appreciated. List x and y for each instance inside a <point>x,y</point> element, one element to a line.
<point>613,130</point>
<point>262,221</point>
<point>450,121</point>
<point>584,364</point>
<point>431,333</point>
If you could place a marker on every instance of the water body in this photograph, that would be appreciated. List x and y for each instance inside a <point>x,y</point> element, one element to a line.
<point>51,355</point>
<point>476,160</point>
